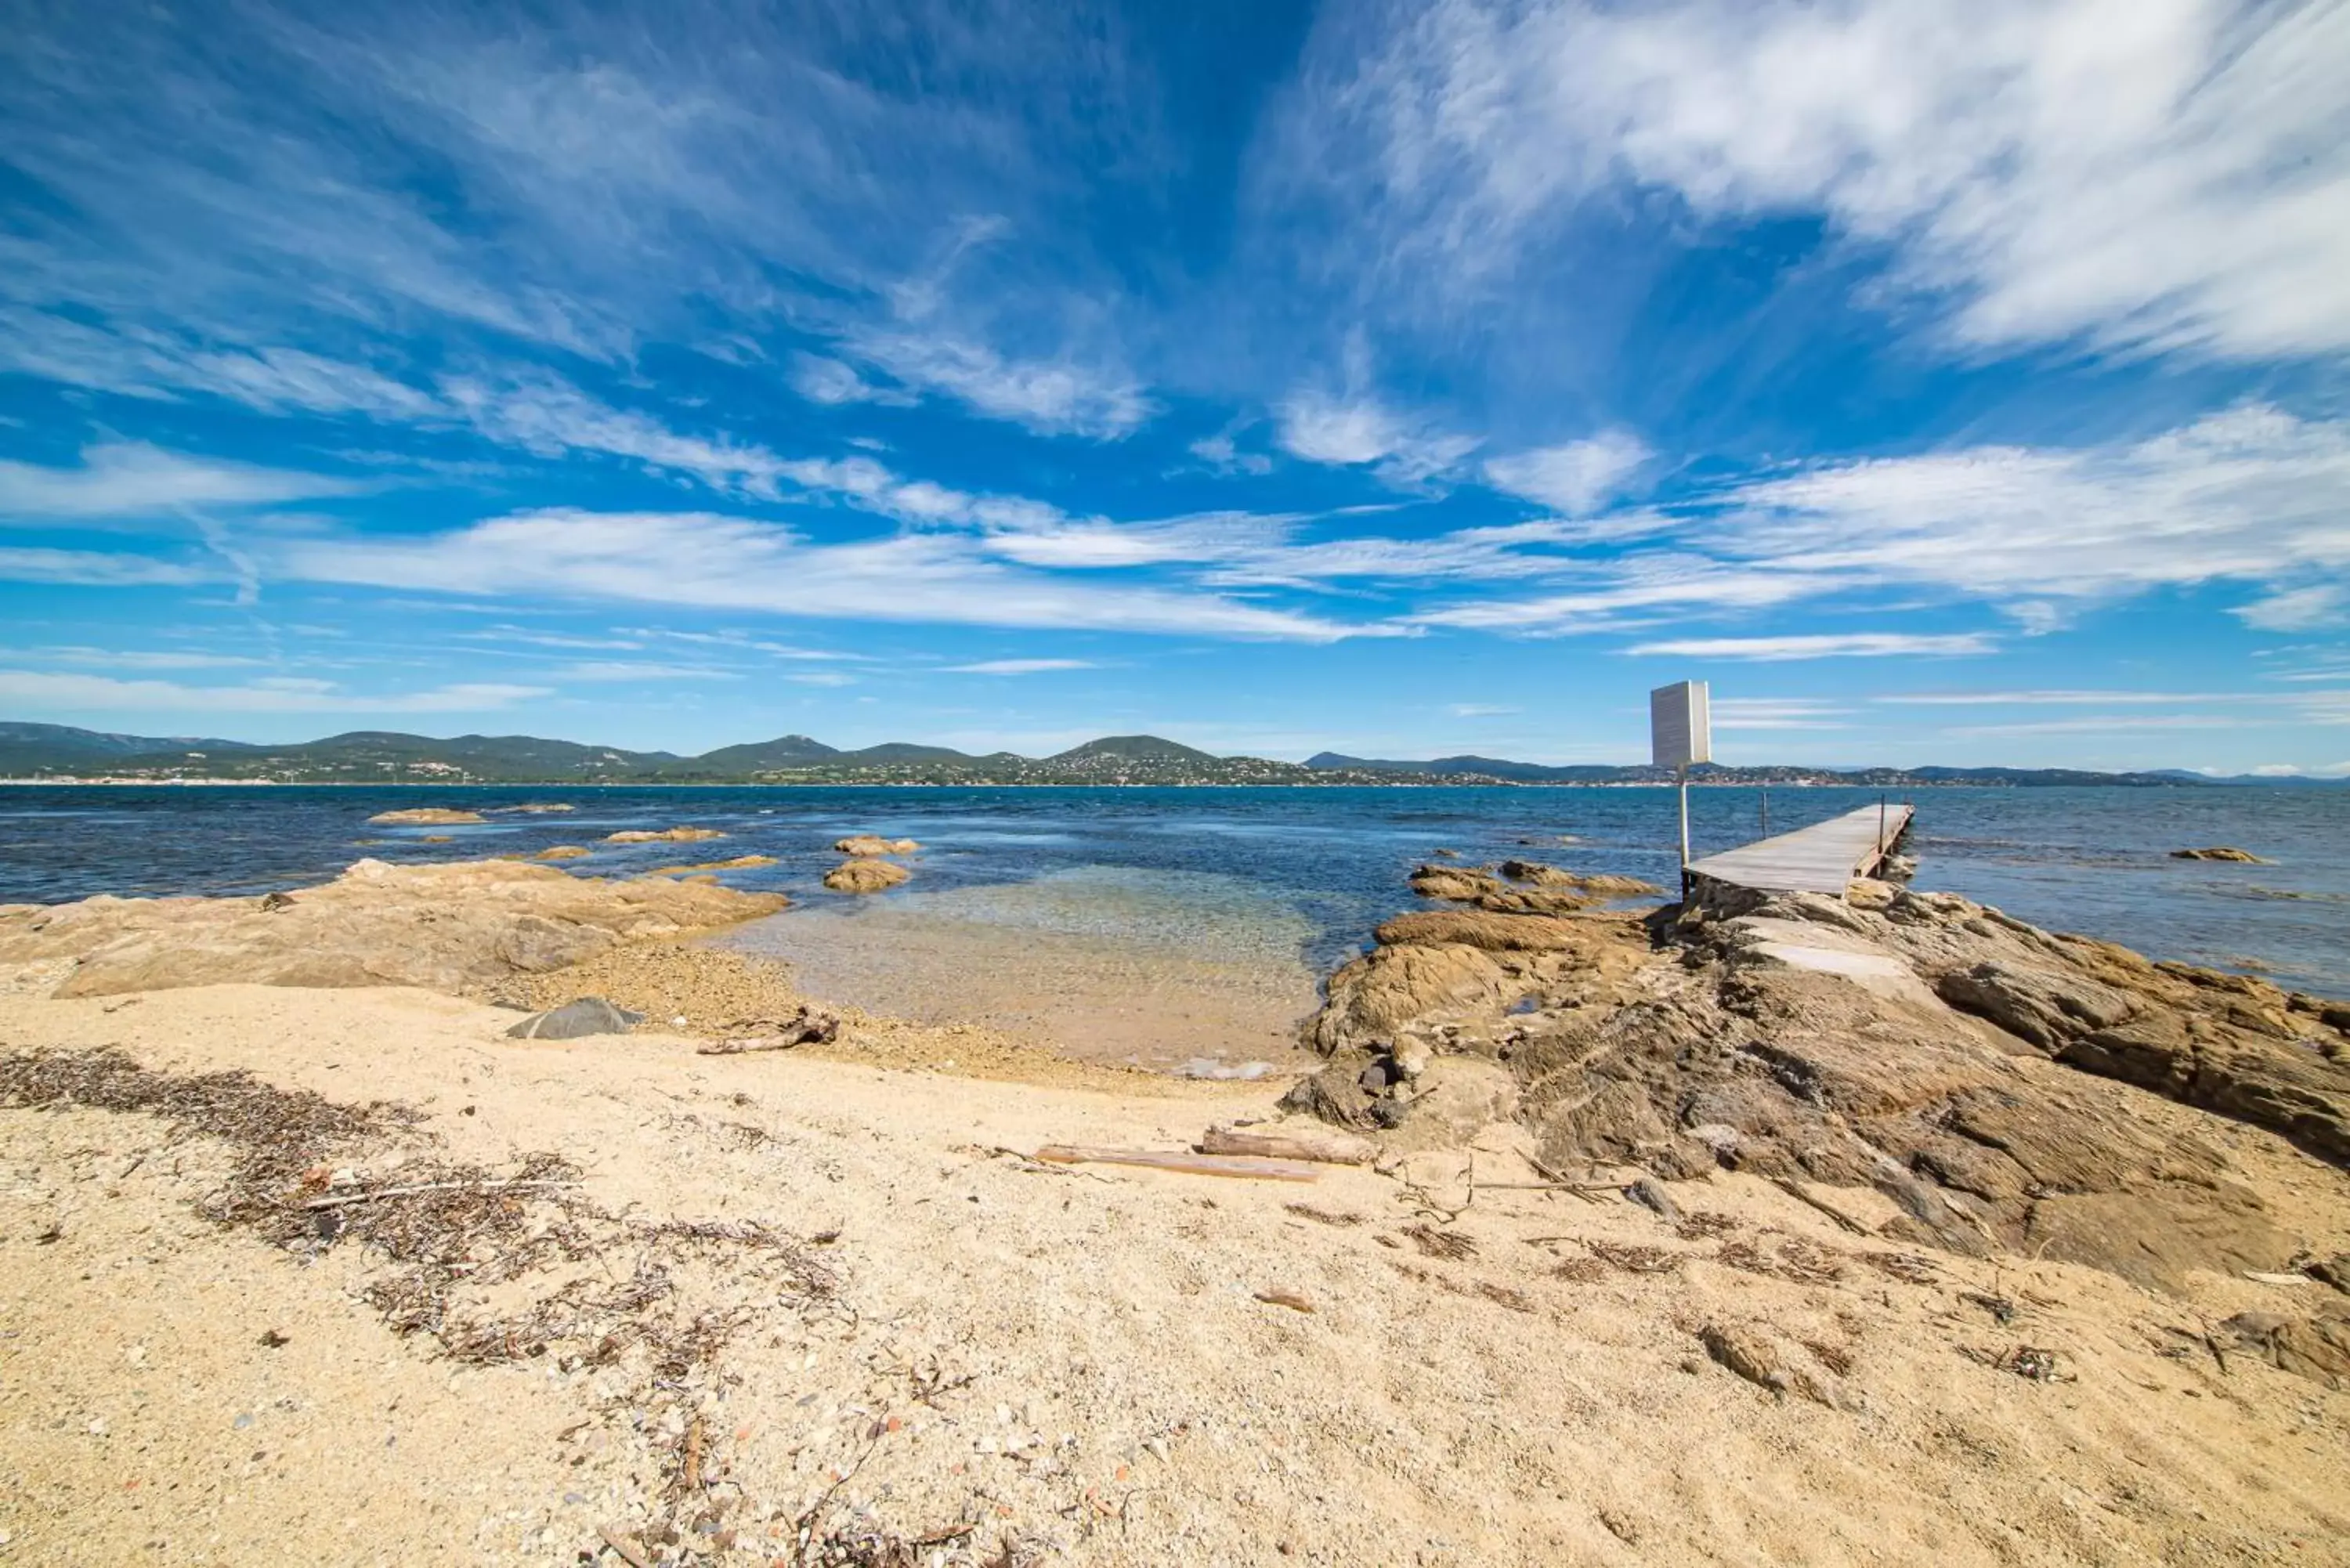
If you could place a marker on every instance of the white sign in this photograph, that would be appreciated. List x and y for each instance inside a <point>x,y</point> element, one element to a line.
<point>1680,724</point>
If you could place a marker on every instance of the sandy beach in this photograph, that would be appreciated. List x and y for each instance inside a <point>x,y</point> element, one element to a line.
<point>647,1305</point>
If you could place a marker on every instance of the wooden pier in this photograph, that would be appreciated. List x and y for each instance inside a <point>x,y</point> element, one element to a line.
<point>1822,858</point>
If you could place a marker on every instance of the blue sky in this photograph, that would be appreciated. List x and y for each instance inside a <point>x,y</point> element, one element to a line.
<point>1945,384</point>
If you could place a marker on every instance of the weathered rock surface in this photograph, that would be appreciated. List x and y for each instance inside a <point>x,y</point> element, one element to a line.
<point>662,836</point>
<point>2220,852</point>
<point>874,844</point>
<point>2316,1348</point>
<point>865,877</point>
<point>562,852</point>
<point>577,1021</point>
<point>446,927</point>
<point>427,817</point>
<point>740,863</point>
<point>1915,1047</point>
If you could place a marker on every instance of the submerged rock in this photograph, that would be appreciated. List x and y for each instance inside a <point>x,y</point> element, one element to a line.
<point>662,836</point>
<point>2220,852</point>
<point>874,844</point>
<point>428,816</point>
<point>576,1020</point>
<point>866,876</point>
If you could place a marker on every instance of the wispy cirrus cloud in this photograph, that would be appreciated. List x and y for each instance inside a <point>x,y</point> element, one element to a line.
<point>712,561</point>
<point>2158,176</point>
<point>1020,666</point>
<point>1779,713</point>
<point>50,691</point>
<point>120,480</point>
<point>1823,645</point>
<point>99,568</point>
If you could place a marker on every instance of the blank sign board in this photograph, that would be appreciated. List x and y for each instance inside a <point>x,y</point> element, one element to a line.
<point>1680,724</point>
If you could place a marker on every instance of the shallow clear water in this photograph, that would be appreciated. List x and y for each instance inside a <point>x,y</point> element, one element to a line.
<point>1329,862</point>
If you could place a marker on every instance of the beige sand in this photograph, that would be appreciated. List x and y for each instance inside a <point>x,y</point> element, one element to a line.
<point>1105,1385</point>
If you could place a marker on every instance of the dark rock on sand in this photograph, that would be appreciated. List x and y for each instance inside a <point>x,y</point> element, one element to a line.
<point>576,1020</point>
<point>2316,1348</point>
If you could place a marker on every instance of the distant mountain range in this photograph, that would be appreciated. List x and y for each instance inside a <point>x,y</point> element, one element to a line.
<point>1713,773</point>
<point>381,756</point>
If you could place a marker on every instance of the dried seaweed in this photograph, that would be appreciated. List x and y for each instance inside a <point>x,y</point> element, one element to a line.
<point>1794,1260</point>
<point>1634,1260</point>
<point>1450,1245</point>
<point>449,1233</point>
<point>1906,1267</point>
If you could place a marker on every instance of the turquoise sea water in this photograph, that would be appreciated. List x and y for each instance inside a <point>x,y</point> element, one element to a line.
<point>1329,862</point>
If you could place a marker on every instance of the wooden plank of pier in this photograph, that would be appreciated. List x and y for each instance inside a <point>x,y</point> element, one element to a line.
<point>1821,858</point>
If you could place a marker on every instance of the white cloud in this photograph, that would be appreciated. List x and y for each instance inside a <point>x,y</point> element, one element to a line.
<point>1478,711</point>
<point>1638,590</point>
<point>828,382</point>
<point>130,478</point>
<point>2251,493</point>
<point>1576,478</point>
<point>134,659</point>
<point>98,569</point>
<point>2298,609</point>
<point>1830,645</point>
<point>46,691</point>
<point>2138,173</point>
<point>546,415</point>
<point>1221,452</point>
<point>1050,397</point>
<point>1020,666</point>
<point>2058,699</point>
<point>621,671</point>
<point>1359,429</point>
<point>1778,713</point>
<point>735,562</point>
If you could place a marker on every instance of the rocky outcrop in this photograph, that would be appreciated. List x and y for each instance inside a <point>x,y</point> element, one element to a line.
<point>427,817</point>
<point>450,928</point>
<point>1523,887</point>
<point>874,844</point>
<point>738,863</point>
<point>662,836</point>
<point>865,877</point>
<point>2220,852</point>
<point>1918,1047</point>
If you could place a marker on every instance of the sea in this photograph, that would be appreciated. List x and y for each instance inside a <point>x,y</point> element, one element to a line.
<point>1310,870</point>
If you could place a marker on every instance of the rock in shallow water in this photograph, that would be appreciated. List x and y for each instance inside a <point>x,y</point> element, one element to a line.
<point>865,877</point>
<point>428,816</point>
<point>874,844</point>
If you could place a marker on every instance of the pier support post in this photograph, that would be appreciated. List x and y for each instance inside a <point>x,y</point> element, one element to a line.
<point>1682,777</point>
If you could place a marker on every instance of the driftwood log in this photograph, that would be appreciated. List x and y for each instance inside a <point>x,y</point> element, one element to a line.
<point>1179,1160</point>
<point>1323,1146</point>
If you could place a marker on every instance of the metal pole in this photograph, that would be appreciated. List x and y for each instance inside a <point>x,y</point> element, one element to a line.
<point>1766,811</point>
<point>1880,825</point>
<point>1681,774</point>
